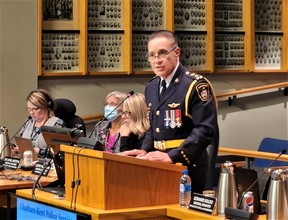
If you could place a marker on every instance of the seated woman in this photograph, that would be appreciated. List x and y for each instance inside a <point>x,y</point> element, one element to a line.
<point>40,106</point>
<point>107,132</point>
<point>135,122</point>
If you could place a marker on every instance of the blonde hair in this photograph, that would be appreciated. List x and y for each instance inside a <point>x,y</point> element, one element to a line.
<point>137,106</point>
<point>42,99</point>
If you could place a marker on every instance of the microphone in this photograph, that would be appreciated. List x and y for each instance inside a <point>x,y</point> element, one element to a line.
<point>46,164</point>
<point>9,141</point>
<point>283,151</point>
<point>105,118</point>
<point>238,213</point>
<point>76,132</point>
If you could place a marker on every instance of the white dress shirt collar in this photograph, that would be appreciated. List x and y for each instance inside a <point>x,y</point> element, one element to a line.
<point>170,77</point>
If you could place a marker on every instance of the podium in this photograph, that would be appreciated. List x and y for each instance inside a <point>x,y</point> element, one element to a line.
<point>110,181</point>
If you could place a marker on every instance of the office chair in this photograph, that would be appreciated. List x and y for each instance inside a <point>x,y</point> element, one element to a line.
<point>272,145</point>
<point>66,110</point>
<point>212,150</point>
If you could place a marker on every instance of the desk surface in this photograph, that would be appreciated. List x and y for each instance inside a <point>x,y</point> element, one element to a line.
<point>151,212</point>
<point>18,179</point>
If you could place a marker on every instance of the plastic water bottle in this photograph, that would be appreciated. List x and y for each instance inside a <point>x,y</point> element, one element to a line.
<point>185,190</point>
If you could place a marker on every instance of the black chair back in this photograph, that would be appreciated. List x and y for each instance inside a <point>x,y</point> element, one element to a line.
<point>66,110</point>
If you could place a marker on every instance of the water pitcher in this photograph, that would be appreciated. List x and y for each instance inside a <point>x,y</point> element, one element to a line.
<point>227,191</point>
<point>276,199</point>
<point>4,139</point>
<point>286,183</point>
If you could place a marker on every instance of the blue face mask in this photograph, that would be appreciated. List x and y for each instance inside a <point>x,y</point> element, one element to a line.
<point>109,114</point>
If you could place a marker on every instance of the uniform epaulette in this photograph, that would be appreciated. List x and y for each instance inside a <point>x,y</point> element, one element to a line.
<point>194,75</point>
<point>155,77</point>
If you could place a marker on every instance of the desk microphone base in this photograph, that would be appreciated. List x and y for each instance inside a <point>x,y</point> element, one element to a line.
<point>238,214</point>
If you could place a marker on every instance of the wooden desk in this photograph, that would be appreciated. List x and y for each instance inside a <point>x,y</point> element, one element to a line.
<point>11,180</point>
<point>110,181</point>
<point>162,212</point>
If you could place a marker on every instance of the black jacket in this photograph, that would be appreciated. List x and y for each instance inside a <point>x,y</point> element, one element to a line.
<point>192,95</point>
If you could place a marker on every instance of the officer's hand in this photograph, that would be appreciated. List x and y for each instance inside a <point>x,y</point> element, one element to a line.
<point>158,156</point>
<point>134,153</point>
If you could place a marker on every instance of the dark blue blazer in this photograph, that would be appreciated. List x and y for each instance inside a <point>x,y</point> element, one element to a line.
<point>193,96</point>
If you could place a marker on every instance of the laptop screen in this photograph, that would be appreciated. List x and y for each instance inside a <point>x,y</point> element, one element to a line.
<point>25,144</point>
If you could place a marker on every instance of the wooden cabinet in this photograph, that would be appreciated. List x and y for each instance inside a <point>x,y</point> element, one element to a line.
<point>109,37</point>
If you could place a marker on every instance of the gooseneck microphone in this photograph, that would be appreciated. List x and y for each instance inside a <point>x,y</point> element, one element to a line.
<point>47,163</point>
<point>283,151</point>
<point>9,141</point>
<point>235,213</point>
<point>105,118</point>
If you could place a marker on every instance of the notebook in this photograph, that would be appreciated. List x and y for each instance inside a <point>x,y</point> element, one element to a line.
<point>244,179</point>
<point>25,144</point>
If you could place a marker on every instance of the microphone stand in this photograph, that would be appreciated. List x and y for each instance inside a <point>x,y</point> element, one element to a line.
<point>238,213</point>
<point>36,182</point>
<point>9,141</point>
<point>243,194</point>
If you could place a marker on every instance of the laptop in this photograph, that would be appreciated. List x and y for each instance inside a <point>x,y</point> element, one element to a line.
<point>25,144</point>
<point>244,179</point>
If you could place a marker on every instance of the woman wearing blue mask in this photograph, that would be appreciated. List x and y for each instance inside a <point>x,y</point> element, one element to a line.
<point>107,132</point>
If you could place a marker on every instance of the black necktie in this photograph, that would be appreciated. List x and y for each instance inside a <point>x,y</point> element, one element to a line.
<point>163,85</point>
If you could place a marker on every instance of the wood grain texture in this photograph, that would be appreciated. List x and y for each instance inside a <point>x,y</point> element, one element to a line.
<point>251,153</point>
<point>162,212</point>
<point>110,181</point>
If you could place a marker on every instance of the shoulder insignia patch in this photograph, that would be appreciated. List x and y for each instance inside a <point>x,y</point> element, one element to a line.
<point>203,91</point>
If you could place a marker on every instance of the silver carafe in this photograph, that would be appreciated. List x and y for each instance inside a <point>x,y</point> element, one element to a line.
<point>277,199</point>
<point>227,192</point>
<point>286,183</point>
<point>4,140</point>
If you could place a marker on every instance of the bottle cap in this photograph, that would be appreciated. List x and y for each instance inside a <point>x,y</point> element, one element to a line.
<point>185,172</point>
<point>228,167</point>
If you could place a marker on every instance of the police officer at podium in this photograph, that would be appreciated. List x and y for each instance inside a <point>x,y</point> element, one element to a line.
<point>182,111</point>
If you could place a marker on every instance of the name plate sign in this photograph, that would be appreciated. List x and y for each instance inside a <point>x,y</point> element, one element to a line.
<point>42,167</point>
<point>203,203</point>
<point>11,163</point>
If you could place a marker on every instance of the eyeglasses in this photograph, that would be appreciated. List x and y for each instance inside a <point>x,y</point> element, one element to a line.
<point>112,104</point>
<point>31,109</point>
<point>126,114</point>
<point>162,54</point>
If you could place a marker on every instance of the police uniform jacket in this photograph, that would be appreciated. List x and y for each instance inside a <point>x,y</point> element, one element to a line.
<point>186,113</point>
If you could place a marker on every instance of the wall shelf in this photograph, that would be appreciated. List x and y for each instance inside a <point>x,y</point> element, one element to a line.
<point>109,37</point>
